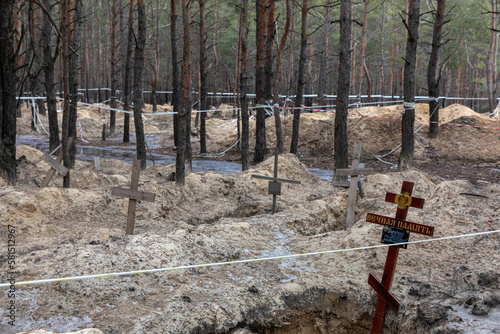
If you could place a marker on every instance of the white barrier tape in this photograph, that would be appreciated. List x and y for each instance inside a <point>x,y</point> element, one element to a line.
<point>243,261</point>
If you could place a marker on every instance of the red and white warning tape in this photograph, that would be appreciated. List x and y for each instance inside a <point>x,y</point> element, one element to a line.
<point>80,129</point>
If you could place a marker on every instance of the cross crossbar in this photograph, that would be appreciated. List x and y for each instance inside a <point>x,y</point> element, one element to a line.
<point>57,161</point>
<point>354,171</point>
<point>54,164</point>
<point>275,179</point>
<point>385,294</point>
<point>133,194</point>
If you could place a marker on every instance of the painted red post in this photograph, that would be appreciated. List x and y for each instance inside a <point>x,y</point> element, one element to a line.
<point>404,200</point>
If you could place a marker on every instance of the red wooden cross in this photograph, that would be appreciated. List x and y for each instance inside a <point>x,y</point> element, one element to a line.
<point>404,200</point>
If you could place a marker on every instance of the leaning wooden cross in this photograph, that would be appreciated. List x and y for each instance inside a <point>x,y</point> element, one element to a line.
<point>275,182</point>
<point>55,165</point>
<point>354,172</point>
<point>396,230</point>
<point>133,195</point>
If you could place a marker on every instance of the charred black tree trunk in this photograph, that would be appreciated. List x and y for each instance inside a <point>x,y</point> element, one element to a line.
<point>127,82</point>
<point>433,72</point>
<point>48,69</point>
<point>407,143</point>
<point>301,80</point>
<point>175,69</point>
<point>245,159</point>
<point>139,57</point>
<point>8,86</point>
<point>260,125</point>
<point>203,77</point>
<point>340,139</point>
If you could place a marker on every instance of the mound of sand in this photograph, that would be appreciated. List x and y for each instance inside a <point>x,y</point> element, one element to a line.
<point>217,218</point>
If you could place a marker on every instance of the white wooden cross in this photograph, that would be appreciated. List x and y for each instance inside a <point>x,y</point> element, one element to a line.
<point>354,172</point>
<point>133,195</point>
<point>275,182</point>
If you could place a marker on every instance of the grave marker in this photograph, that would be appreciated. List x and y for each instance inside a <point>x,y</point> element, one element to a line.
<point>354,172</point>
<point>395,230</point>
<point>275,182</point>
<point>97,163</point>
<point>134,195</point>
<point>55,165</point>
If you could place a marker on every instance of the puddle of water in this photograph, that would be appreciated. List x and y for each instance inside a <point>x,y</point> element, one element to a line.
<point>87,153</point>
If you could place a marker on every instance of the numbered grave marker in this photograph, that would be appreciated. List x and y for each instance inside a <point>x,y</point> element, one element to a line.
<point>275,182</point>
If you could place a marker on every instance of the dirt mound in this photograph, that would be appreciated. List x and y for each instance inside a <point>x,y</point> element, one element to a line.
<point>217,218</point>
<point>449,284</point>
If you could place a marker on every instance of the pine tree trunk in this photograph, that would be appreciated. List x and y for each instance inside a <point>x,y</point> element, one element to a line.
<point>279,66</point>
<point>128,77</point>
<point>175,69</point>
<point>362,52</point>
<point>48,69</point>
<point>407,140</point>
<point>260,126</point>
<point>114,66</point>
<point>323,57</point>
<point>8,84</point>
<point>66,39</point>
<point>491,64</point>
<point>184,148</point>
<point>301,80</point>
<point>139,57</point>
<point>245,159</point>
<point>433,69</point>
<point>269,55</point>
<point>203,77</point>
<point>340,139</point>
<point>73,78</point>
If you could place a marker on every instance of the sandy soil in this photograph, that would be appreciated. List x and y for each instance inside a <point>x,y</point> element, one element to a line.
<point>449,286</point>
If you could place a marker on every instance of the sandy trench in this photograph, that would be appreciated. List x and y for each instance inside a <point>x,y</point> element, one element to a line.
<point>444,287</point>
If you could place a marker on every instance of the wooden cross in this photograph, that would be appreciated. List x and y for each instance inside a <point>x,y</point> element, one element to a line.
<point>55,165</point>
<point>133,195</point>
<point>275,182</point>
<point>396,230</point>
<point>354,172</point>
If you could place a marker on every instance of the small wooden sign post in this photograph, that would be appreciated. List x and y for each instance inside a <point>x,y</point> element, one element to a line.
<point>354,172</point>
<point>133,195</point>
<point>55,165</point>
<point>275,182</point>
<point>396,230</point>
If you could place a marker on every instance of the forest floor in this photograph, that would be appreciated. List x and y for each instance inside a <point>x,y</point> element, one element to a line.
<point>445,287</point>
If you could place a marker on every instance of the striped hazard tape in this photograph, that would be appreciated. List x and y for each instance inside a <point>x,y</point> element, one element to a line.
<point>124,273</point>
